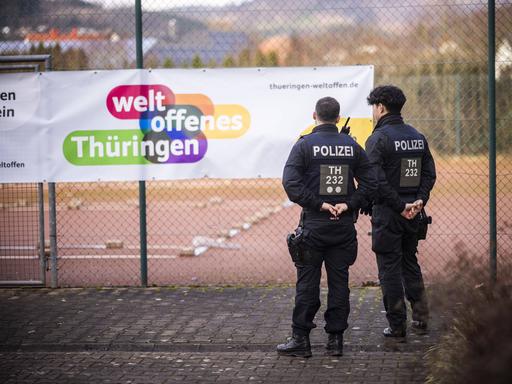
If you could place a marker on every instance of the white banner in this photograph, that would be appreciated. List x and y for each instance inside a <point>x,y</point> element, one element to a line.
<point>169,123</point>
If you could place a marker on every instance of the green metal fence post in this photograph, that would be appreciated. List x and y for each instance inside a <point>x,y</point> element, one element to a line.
<point>492,140</point>
<point>142,183</point>
<point>457,115</point>
<point>42,255</point>
<point>53,234</point>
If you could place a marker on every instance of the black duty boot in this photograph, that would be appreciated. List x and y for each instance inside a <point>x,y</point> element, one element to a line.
<point>419,327</point>
<point>297,345</point>
<point>334,345</point>
<point>398,333</point>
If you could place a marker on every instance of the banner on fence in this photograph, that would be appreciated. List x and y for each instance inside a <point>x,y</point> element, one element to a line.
<point>169,123</point>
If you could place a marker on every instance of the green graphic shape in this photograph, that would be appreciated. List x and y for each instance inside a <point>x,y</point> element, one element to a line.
<point>118,141</point>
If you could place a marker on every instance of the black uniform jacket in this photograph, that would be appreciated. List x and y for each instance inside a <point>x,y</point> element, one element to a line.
<point>403,163</point>
<point>321,168</point>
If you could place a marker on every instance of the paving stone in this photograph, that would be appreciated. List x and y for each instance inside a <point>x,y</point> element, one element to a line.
<point>200,335</point>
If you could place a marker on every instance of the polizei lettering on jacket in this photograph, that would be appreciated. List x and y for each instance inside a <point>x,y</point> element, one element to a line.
<point>409,145</point>
<point>333,151</point>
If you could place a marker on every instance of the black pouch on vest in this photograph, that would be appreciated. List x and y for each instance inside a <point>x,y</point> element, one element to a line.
<point>424,222</point>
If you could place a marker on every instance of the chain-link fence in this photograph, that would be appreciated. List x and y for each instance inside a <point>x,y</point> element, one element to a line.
<point>232,231</point>
<point>20,233</point>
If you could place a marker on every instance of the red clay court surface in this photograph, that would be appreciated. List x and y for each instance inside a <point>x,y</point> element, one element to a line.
<point>181,217</point>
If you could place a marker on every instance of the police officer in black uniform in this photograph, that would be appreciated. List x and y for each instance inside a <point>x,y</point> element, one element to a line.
<point>319,176</point>
<point>406,174</point>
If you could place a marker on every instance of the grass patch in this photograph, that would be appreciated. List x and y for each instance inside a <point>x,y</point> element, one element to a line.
<point>477,347</point>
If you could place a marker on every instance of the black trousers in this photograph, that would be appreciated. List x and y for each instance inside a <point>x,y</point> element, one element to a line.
<point>307,299</point>
<point>395,242</point>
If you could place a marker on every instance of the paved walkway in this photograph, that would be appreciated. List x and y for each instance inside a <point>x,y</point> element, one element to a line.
<point>191,335</point>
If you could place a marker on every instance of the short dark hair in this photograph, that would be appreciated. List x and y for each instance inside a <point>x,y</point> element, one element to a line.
<point>327,109</point>
<point>389,96</point>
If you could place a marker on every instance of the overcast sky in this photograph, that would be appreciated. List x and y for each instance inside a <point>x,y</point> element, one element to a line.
<point>164,4</point>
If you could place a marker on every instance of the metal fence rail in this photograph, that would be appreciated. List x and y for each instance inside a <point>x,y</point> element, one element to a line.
<point>232,231</point>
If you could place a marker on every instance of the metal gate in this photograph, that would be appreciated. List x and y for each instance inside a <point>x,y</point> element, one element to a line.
<point>22,214</point>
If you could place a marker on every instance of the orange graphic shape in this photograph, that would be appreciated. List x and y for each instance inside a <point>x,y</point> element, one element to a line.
<point>202,102</point>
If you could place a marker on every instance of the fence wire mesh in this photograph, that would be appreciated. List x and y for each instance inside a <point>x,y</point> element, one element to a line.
<point>232,231</point>
<point>19,233</point>
<point>98,234</point>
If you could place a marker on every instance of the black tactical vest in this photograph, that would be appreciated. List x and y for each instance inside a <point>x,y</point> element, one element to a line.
<point>330,159</point>
<point>402,161</point>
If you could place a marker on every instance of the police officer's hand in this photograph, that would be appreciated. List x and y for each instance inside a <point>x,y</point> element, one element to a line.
<point>340,208</point>
<point>419,205</point>
<point>329,208</point>
<point>410,211</point>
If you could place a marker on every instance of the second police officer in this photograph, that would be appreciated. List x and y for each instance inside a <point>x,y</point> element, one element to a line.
<point>319,176</point>
<point>406,174</point>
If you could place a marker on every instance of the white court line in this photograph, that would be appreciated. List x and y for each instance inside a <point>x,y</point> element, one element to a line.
<point>130,247</point>
<point>87,246</point>
<point>74,257</point>
<point>137,247</point>
<point>19,257</point>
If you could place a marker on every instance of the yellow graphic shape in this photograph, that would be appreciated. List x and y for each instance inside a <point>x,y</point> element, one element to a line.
<point>360,128</point>
<point>230,121</point>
